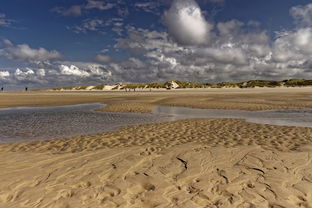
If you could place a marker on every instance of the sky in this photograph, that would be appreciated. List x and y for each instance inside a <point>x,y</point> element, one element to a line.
<point>58,43</point>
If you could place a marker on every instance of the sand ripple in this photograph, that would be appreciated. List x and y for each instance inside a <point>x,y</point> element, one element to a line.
<point>212,132</point>
<point>189,176</point>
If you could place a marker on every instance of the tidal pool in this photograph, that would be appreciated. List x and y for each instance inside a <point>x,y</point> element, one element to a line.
<point>301,118</point>
<point>41,123</point>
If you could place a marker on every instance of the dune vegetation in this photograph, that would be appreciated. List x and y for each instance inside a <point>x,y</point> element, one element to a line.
<point>177,84</point>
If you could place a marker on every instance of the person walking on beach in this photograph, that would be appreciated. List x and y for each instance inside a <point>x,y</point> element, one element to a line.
<point>26,89</point>
<point>2,89</point>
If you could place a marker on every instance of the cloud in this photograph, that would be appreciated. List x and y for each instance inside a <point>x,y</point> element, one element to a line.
<point>186,23</point>
<point>81,70</point>
<point>77,10</point>
<point>93,4</point>
<point>123,11</point>
<point>89,25</point>
<point>150,6</point>
<point>230,27</point>
<point>225,55</point>
<point>103,58</point>
<point>57,74</point>
<point>302,40</point>
<point>295,45</point>
<point>98,25</point>
<point>237,51</point>
<point>24,75</point>
<point>74,11</point>
<point>27,76</point>
<point>4,75</point>
<point>73,70</point>
<point>4,21</point>
<point>199,51</point>
<point>41,72</point>
<point>302,14</point>
<point>24,52</point>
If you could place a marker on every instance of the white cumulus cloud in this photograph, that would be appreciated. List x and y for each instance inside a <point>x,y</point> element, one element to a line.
<point>296,45</point>
<point>24,52</point>
<point>41,72</point>
<point>4,74</point>
<point>20,75</point>
<point>186,23</point>
<point>73,70</point>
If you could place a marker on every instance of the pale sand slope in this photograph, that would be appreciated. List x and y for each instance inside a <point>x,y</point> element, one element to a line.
<point>159,165</point>
<point>184,176</point>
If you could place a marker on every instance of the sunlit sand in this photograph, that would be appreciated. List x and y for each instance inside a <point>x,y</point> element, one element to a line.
<point>207,162</point>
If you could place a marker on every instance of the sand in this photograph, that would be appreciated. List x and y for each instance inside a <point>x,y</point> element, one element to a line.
<point>119,101</point>
<point>187,163</point>
<point>183,176</point>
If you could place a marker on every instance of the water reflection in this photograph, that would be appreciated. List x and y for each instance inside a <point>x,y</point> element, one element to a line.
<point>39,123</point>
<point>29,123</point>
<point>302,118</point>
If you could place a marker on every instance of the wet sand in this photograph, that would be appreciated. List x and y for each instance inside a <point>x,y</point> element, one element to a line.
<point>187,163</point>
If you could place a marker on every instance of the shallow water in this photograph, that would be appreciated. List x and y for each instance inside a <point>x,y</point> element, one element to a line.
<point>301,118</point>
<point>40,123</point>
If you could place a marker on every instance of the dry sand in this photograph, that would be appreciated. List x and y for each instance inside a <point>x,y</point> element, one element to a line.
<point>189,163</point>
<point>183,176</point>
<point>231,98</point>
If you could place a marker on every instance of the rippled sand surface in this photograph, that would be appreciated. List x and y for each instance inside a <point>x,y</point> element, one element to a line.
<point>187,163</point>
<point>187,176</point>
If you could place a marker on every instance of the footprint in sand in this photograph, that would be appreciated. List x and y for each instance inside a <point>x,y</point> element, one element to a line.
<point>64,194</point>
<point>302,201</point>
<point>106,193</point>
<point>83,185</point>
<point>150,150</point>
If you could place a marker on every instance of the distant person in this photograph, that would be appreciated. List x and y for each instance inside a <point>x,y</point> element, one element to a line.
<point>2,89</point>
<point>26,89</point>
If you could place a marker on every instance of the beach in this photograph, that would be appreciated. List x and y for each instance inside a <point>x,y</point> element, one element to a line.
<point>187,163</point>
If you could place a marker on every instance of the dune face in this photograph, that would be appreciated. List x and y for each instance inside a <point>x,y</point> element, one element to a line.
<point>187,163</point>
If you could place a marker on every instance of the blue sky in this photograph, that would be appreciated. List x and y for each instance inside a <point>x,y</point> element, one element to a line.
<point>66,42</point>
